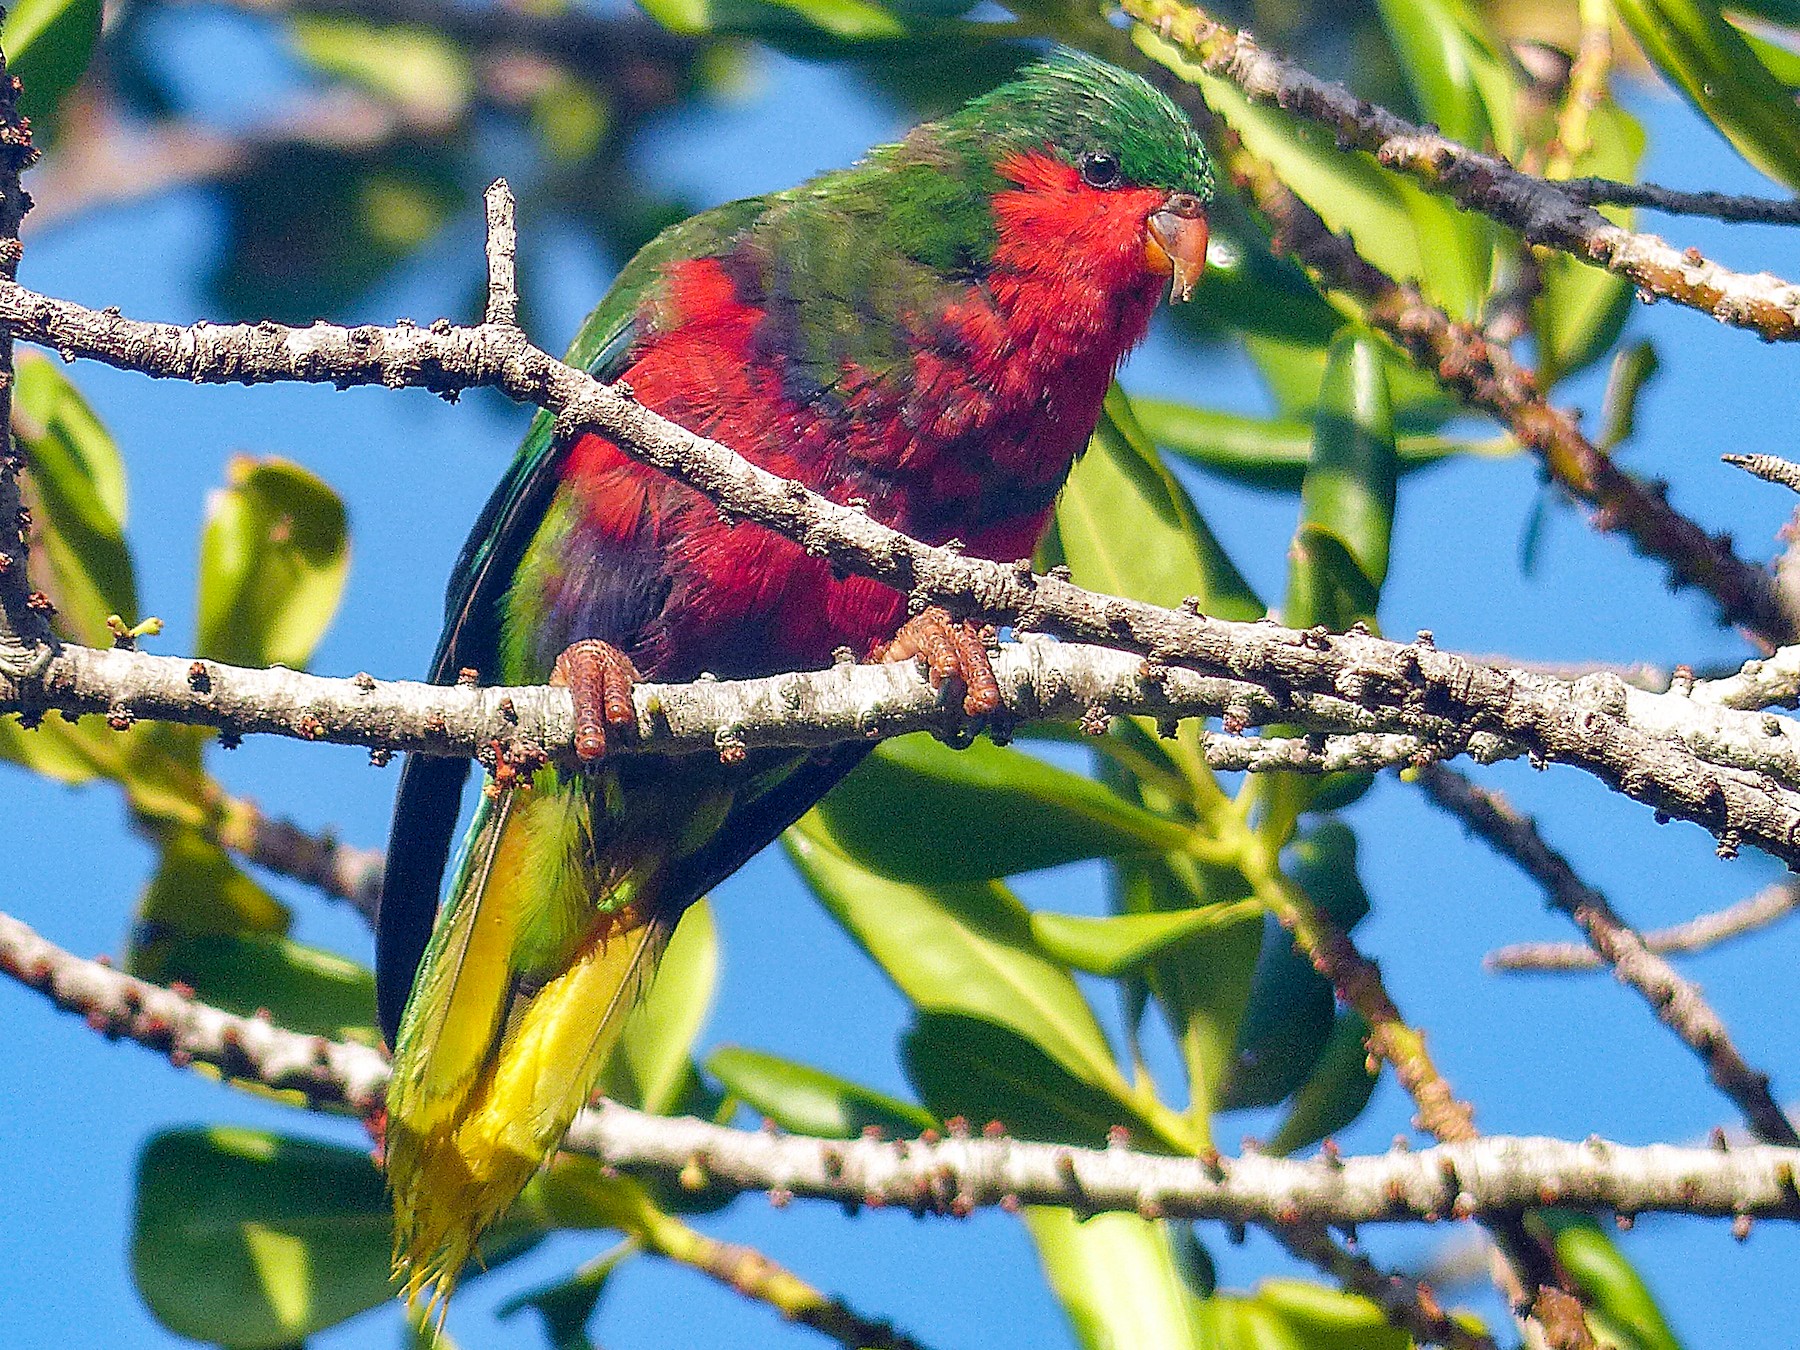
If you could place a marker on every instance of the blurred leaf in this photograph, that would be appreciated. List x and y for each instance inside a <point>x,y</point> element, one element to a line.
<point>1580,309</point>
<point>1290,1014</point>
<point>1128,528</point>
<point>1270,452</point>
<point>1119,943</point>
<point>366,212</point>
<point>1119,1281</point>
<point>1349,488</point>
<point>1285,1027</point>
<point>918,811</point>
<point>653,1067</point>
<point>960,949</point>
<point>273,559</point>
<point>75,482</point>
<point>1632,370</point>
<point>571,118</point>
<point>198,891</point>
<point>1329,1319</point>
<point>1710,62</point>
<point>48,44</point>
<point>973,1068</point>
<point>1463,81</point>
<point>805,1100</point>
<point>1294,373</point>
<point>1203,985</point>
<point>305,989</point>
<point>1335,1095</point>
<point>249,1240</point>
<point>1622,1304</point>
<point>565,1306</point>
<point>415,67</point>
<point>853,20</point>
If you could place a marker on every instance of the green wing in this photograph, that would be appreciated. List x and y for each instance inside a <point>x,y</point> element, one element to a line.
<point>430,793</point>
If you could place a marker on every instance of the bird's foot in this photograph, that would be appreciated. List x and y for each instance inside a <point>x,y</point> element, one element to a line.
<point>599,677</point>
<point>952,651</point>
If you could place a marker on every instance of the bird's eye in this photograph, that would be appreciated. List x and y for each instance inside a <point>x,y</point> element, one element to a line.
<point>1099,169</point>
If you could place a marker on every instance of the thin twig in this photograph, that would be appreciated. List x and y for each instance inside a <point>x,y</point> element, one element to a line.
<point>1673,201</point>
<point>1407,1303</point>
<point>956,1175</point>
<point>1767,906</point>
<point>25,637</point>
<point>1677,1001</point>
<point>1770,468</point>
<point>341,871</point>
<point>502,252</point>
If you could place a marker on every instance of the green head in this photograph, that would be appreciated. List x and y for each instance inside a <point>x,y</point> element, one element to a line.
<point>1117,128</point>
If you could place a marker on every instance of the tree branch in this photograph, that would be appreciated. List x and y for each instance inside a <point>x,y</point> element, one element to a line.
<point>1673,201</point>
<point>1767,906</point>
<point>1496,1176</point>
<point>1677,1001</point>
<point>1542,212</point>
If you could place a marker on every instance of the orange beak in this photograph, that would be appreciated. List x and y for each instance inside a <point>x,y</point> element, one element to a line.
<point>1175,243</point>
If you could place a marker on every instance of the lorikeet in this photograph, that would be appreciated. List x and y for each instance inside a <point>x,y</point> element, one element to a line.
<point>930,331</point>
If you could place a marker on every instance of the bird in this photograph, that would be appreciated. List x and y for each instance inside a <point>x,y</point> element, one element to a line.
<point>928,334</point>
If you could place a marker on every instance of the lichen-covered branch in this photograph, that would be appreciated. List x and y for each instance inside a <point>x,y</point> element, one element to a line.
<point>956,1175</point>
<point>1538,209</point>
<point>1677,1001</point>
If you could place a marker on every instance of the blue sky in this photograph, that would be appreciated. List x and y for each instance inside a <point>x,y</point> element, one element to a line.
<point>1567,1056</point>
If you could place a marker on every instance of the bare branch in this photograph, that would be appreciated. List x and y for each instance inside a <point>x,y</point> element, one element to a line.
<point>1407,1303</point>
<point>502,252</point>
<point>1539,210</point>
<point>1496,1176</point>
<point>1767,906</point>
<point>1676,1000</point>
<point>1770,468</point>
<point>1673,201</point>
<point>352,875</point>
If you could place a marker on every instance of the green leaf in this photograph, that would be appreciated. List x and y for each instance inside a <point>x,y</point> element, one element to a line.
<point>1621,1303</point>
<point>565,1306</point>
<point>1119,1280</point>
<point>304,989</point>
<point>805,1100</point>
<point>1128,528</point>
<point>250,1240</point>
<point>1120,943</point>
<point>1273,452</point>
<point>918,811</point>
<point>1335,1095</point>
<point>653,1068</point>
<point>1290,1015</point>
<point>1581,309</point>
<point>273,559</point>
<point>416,68</point>
<point>1710,62</point>
<point>1328,1319</point>
<point>845,20</point>
<point>48,44</point>
<point>1460,77</point>
<point>1202,986</point>
<point>960,949</point>
<point>1632,370</point>
<point>75,483</point>
<point>197,891</point>
<point>969,1067</point>
<point>1349,489</point>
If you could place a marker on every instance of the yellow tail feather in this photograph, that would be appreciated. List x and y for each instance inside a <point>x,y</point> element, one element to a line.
<point>489,1072</point>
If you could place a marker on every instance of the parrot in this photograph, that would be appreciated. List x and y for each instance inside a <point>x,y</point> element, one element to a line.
<point>927,334</point>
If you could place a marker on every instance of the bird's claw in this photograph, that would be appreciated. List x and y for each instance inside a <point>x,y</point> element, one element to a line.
<point>599,678</point>
<point>951,651</point>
